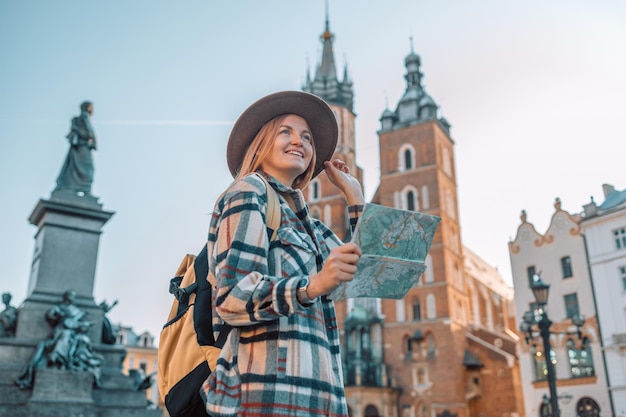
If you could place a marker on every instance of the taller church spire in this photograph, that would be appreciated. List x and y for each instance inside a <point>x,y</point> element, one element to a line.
<point>325,200</point>
<point>325,83</point>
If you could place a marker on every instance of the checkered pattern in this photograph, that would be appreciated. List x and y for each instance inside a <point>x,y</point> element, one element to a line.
<point>281,358</point>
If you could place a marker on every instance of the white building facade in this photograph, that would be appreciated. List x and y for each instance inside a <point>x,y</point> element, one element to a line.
<point>559,258</point>
<point>604,227</point>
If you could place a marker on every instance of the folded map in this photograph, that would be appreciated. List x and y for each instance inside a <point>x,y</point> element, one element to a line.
<point>395,243</point>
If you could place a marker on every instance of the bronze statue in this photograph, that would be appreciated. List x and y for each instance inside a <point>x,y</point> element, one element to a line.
<point>8,317</point>
<point>77,172</point>
<point>69,347</point>
<point>109,333</point>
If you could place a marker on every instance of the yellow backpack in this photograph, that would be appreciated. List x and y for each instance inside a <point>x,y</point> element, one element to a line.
<point>188,350</point>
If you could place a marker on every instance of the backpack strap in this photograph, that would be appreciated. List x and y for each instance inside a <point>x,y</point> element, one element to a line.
<point>272,214</point>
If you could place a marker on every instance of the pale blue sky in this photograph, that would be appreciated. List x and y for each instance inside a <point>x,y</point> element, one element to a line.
<point>534,91</point>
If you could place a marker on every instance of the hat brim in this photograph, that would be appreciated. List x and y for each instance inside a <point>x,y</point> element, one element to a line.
<point>310,107</point>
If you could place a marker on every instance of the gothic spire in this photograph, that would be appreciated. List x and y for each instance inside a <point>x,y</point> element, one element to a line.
<point>327,67</point>
<point>325,82</point>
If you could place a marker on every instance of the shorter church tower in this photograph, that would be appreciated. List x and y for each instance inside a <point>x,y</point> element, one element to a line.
<point>447,344</point>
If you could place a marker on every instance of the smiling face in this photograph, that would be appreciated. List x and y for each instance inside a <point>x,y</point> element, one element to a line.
<point>291,152</point>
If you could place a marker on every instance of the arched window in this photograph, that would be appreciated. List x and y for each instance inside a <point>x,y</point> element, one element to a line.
<point>410,199</point>
<point>315,213</point>
<point>580,360</point>
<point>586,407</point>
<point>315,191</point>
<point>417,311</point>
<point>371,411</point>
<point>406,158</point>
<point>566,267</point>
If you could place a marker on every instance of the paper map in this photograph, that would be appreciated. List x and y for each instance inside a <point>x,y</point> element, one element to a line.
<point>395,244</point>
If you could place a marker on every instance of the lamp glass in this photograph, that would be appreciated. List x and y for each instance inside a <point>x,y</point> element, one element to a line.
<point>540,291</point>
<point>578,320</point>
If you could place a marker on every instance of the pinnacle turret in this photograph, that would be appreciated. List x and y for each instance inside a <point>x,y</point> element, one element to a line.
<point>416,105</point>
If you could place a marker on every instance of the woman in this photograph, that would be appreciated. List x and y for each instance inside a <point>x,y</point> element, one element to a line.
<point>282,356</point>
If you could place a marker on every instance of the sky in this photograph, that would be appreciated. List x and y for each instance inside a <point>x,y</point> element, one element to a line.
<point>534,92</point>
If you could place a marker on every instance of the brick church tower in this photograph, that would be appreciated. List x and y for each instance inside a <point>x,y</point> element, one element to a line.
<point>418,173</point>
<point>446,348</point>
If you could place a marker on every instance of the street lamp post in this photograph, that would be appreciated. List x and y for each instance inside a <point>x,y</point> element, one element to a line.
<point>541,290</point>
<point>544,330</point>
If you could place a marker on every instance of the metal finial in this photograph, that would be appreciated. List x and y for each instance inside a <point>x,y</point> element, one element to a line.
<point>327,13</point>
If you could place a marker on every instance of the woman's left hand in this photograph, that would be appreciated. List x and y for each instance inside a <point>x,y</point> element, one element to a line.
<point>339,174</point>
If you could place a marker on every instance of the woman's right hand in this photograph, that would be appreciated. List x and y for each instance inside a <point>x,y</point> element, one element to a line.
<point>339,267</point>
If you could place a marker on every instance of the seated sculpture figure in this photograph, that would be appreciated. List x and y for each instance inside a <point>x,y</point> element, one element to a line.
<point>69,347</point>
<point>83,358</point>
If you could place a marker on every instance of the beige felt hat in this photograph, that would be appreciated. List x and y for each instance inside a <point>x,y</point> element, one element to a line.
<point>310,107</point>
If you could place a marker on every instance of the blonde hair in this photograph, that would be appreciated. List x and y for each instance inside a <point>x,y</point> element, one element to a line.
<point>261,147</point>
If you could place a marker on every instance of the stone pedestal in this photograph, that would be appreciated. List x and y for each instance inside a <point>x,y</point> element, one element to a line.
<point>58,392</point>
<point>65,257</point>
<point>63,393</point>
<point>66,250</point>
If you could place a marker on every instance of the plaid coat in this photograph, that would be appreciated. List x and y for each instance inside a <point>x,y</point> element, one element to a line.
<point>281,358</point>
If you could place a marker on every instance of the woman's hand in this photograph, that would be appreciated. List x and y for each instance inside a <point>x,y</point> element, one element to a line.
<point>339,267</point>
<point>339,174</point>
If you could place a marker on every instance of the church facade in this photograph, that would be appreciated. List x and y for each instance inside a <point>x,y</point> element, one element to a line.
<point>448,348</point>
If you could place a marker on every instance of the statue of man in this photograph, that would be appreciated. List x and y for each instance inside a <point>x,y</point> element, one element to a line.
<point>77,172</point>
